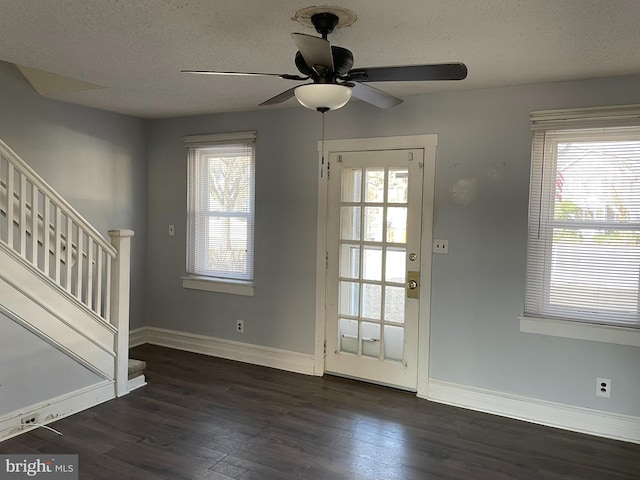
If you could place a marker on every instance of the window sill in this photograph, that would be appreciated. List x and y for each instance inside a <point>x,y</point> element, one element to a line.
<point>581,330</point>
<point>234,287</point>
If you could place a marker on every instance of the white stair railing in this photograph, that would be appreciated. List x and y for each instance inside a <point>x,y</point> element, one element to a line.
<point>38,225</point>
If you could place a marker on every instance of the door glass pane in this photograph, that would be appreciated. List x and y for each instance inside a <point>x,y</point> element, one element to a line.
<point>374,185</point>
<point>349,298</point>
<point>348,335</point>
<point>350,223</point>
<point>370,339</point>
<point>371,301</point>
<point>397,224</point>
<point>372,263</point>
<point>351,184</point>
<point>394,304</point>
<point>373,224</point>
<point>349,261</point>
<point>395,265</point>
<point>393,342</point>
<point>398,187</point>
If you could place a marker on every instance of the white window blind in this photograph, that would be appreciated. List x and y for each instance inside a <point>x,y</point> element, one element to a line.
<point>221,205</point>
<point>584,222</point>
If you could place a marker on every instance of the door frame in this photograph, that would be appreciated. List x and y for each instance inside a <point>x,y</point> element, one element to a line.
<point>428,143</point>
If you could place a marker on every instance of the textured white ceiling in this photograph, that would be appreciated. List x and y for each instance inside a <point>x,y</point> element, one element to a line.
<point>136,48</point>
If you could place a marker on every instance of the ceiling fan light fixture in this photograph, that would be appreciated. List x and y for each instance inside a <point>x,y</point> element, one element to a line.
<point>323,96</point>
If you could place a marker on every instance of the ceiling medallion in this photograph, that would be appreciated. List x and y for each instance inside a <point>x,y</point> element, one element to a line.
<point>345,16</point>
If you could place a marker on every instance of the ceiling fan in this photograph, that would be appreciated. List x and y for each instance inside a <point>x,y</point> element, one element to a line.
<point>334,81</point>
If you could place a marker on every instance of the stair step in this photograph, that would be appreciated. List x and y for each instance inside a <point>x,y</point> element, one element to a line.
<point>136,368</point>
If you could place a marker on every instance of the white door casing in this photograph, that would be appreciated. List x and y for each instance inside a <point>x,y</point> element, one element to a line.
<point>423,147</point>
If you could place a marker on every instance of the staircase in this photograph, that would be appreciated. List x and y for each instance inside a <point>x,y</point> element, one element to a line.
<point>62,281</point>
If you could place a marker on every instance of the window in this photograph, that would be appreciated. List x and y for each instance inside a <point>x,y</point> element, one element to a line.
<point>584,222</point>
<point>220,212</point>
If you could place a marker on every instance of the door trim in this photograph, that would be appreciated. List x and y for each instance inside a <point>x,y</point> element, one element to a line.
<point>428,143</point>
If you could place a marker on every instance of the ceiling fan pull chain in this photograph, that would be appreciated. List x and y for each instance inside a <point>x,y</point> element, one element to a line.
<point>322,162</point>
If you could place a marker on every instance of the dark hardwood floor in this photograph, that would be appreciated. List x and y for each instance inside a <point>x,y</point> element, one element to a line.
<point>205,418</point>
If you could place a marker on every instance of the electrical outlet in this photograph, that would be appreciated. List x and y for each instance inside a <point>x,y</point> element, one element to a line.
<point>29,420</point>
<point>240,326</point>
<point>441,246</point>
<point>603,387</point>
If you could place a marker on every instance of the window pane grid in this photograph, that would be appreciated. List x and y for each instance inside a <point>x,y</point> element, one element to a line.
<point>370,306</point>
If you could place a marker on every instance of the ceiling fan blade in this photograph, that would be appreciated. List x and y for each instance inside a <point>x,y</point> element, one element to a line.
<point>281,97</point>
<point>374,96</point>
<point>286,76</point>
<point>316,51</point>
<point>409,73</point>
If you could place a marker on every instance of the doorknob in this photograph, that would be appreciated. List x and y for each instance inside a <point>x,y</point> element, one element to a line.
<point>413,281</point>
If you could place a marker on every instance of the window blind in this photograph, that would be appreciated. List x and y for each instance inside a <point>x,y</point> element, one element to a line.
<point>584,225</point>
<point>221,206</point>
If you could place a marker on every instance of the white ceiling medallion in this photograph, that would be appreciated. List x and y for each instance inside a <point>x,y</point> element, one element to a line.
<point>345,16</point>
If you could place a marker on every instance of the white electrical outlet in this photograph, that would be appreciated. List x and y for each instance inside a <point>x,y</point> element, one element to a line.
<point>240,326</point>
<point>441,246</point>
<point>29,419</point>
<point>603,387</point>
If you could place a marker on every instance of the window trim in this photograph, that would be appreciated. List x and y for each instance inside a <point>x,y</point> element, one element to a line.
<point>213,283</point>
<point>599,117</point>
<point>218,285</point>
<point>580,330</point>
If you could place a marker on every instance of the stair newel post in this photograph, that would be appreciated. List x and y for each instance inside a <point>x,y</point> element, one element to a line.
<point>120,287</point>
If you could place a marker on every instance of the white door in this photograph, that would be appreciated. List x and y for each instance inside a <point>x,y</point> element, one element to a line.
<point>373,266</point>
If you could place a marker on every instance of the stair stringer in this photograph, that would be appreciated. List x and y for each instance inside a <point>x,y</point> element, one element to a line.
<point>50,312</point>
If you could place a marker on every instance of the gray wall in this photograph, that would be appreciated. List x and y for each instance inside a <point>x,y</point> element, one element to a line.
<point>280,314</point>
<point>96,160</point>
<point>32,371</point>
<point>478,288</point>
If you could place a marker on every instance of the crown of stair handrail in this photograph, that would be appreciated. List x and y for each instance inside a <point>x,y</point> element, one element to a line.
<point>44,187</point>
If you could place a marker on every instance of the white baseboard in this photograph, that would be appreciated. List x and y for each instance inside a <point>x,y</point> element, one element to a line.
<point>137,336</point>
<point>56,408</point>
<point>217,347</point>
<point>137,382</point>
<point>552,414</point>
